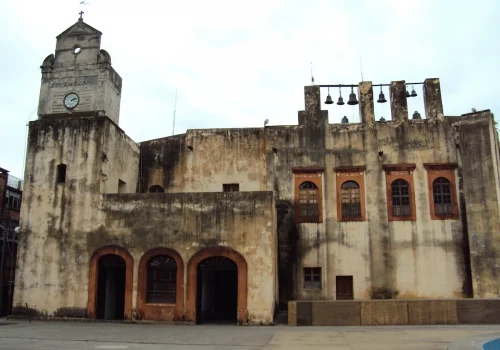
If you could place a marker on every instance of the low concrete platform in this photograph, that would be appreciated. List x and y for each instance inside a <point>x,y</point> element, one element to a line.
<point>77,336</point>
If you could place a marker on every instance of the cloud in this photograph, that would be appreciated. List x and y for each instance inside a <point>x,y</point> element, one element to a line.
<point>234,64</point>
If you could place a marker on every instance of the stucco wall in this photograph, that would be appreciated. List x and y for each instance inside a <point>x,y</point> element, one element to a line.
<point>188,222</point>
<point>421,258</point>
<point>479,149</point>
<point>55,217</point>
<point>204,160</point>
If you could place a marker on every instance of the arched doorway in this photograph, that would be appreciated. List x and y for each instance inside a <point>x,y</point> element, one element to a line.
<point>110,284</point>
<point>217,294</point>
<point>111,288</point>
<point>196,275</point>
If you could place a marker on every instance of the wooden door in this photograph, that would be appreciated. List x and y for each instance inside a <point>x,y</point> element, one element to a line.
<point>345,290</point>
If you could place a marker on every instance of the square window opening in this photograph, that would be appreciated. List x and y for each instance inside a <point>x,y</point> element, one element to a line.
<point>312,277</point>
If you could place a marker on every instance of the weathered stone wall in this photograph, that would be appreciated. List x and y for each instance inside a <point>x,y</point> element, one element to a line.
<point>188,222</point>
<point>56,217</point>
<point>479,156</point>
<point>204,160</point>
<point>87,73</point>
<point>421,258</point>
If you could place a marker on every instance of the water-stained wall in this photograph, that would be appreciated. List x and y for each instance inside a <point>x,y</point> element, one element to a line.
<point>423,257</point>
<point>56,215</point>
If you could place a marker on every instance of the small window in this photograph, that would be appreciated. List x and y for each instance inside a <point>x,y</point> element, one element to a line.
<point>442,196</point>
<point>122,186</point>
<point>161,280</point>
<point>61,173</point>
<point>401,198</point>
<point>156,189</point>
<point>231,187</point>
<point>308,201</point>
<point>351,203</point>
<point>312,277</point>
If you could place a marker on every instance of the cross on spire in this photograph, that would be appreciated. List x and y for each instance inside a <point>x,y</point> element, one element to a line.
<point>81,15</point>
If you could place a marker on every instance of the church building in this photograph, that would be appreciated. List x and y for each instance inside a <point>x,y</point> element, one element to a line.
<point>229,225</point>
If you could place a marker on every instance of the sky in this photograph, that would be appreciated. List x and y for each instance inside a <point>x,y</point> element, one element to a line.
<point>236,63</point>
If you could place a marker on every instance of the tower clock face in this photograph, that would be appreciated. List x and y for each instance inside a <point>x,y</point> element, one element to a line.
<point>71,100</point>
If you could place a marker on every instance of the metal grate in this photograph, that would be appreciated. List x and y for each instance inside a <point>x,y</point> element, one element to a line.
<point>162,280</point>
<point>308,201</point>
<point>442,196</point>
<point>351,201</point>
<point>401,198</point>
<point>312,277</point>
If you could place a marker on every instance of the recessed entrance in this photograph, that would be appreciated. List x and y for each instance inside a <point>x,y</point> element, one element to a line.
<point>217,292</point>
<point>111,288</point>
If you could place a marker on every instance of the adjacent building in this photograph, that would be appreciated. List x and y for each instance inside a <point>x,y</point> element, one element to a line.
<point>231,224</point>
<point>11,191</point>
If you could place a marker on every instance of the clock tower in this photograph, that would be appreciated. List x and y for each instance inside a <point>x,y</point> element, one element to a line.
<point>79,80</point>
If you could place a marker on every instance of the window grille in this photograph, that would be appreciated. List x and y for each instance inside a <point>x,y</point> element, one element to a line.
<point>442,196</point>
<point>230,187</point>
<point>161,280</point>
<point>308,201</point>
<point>312,277</point>
<point>351,201</point>
<point>401,198</point>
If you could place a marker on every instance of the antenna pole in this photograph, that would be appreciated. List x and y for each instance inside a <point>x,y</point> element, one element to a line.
<point>361,67</point>
<point>312,77</point>
<point>175,108</point>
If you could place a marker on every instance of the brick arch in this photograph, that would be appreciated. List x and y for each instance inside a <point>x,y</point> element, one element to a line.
<point>94,276</point>
<point>160,312</point>
<point>192,280</point>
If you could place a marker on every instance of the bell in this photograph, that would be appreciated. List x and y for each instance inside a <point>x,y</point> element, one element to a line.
<point>352,98</point>
<point>381,98</point>
<point>329,100</point>
<point>345,120</point>
<point>416,115</point>
<point>413,92</point>
<point>341,100</point>
<point>382,119</point>
<point>407,94</point>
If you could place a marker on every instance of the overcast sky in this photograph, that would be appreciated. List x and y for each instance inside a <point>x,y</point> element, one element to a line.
<point>236,63</point>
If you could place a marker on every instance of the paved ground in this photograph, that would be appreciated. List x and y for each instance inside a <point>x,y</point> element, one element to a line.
<point>78,336</point>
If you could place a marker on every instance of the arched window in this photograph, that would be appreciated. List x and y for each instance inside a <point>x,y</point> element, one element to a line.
<point>401,198</point>
<point>351,203</point>
<point>156,189</point>
<point>162,282</point>
<point>442,196</point>
<point>308,201</point>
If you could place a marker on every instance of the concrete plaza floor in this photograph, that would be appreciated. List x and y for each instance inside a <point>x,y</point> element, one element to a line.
<point>76,336</point>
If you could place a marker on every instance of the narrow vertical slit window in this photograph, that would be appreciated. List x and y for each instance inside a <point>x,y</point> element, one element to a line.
<point>122,186</point>
<point>61,173</point>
